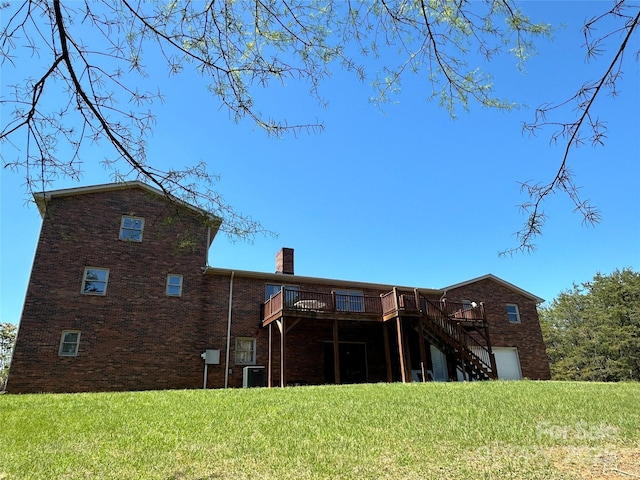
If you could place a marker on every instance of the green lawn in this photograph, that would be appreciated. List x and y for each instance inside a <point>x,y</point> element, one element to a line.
<point>497,430</point>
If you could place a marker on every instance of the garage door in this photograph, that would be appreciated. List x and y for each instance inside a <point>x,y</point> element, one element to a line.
<point>507,363</point>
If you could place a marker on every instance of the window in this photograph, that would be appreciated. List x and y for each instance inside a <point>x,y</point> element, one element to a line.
<point>95,280</point>
<point>291,293</point>
<point>245,351</point>
<point>131,229</point>
<point>349,301</point>
<point>271,290</point>
<point>513,314</point>
<point>174,285</point>
<point>69,343</point>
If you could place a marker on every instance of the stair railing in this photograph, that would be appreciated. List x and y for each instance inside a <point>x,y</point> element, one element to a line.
<point>467,346</point>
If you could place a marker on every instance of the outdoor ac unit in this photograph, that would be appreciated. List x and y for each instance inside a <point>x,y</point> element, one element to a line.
<point>253,376</point>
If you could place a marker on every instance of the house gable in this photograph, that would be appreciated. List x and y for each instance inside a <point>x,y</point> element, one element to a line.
<point>497,280</point>
<point>87,278</point>
<point>43,199</point>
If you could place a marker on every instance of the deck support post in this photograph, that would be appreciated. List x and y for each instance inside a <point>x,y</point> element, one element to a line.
<point>407,355</point>
<point>283,334</point>
<point>336,352</point>
<point>387,352</point>
<point>270,355</point>
<point>465,375</point>
<point>492,358</point>
<point>423,352</point>
<point>403,369</point>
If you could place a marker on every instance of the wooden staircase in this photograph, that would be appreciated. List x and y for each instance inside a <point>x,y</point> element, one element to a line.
<point>463,338</point>
<point>459,330</point>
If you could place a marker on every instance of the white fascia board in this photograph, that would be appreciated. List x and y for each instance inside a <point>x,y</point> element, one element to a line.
<point>499,280</point>
<point>286,279</point>
<point>41,198</point>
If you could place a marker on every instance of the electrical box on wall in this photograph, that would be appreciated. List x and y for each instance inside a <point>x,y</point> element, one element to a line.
<point>211,357</point>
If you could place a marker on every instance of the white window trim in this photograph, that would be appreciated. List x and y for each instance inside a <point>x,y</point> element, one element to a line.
<point>517,313</point>
<point>253,351</point>
<point>61,353</point>
<point>179,285</point>
<point>122,228</point>
<point>84,280</point>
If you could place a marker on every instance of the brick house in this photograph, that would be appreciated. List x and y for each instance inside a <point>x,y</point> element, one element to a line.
<point>121,298</point>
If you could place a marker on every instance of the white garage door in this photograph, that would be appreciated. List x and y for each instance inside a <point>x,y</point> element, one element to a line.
<point>507,363</point>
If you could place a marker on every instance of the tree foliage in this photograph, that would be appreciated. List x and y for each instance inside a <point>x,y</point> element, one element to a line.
<point>89,84</point>
<point>592,331</point>
<point>7,340</point>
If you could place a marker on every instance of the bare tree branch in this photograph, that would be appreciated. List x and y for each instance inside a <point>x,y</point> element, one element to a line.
<point>94,52</point>
<point>585,98</point>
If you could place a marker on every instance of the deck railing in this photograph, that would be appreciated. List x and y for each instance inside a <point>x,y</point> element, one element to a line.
<point>464,312</point>
<point>399,300</point>
<point>294,300</point>
<point>448,317</point>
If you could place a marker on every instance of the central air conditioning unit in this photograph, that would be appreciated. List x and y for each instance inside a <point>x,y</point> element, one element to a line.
<point>253,376</point>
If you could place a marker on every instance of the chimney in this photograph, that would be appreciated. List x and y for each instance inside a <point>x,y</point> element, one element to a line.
<point>284,261</point>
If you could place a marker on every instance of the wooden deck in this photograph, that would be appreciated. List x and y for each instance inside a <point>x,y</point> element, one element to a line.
<point>458,329</point>
<point>305,304</point>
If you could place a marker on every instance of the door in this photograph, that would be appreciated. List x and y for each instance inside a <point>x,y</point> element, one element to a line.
<point>439,371</point>
<point>353,362</point>
<point>507,363</point>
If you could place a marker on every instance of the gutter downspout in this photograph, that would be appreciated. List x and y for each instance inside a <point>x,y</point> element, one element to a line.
<point>206,250</point>
<point>226,363</point>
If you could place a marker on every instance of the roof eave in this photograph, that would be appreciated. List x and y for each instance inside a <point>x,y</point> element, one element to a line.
<point>499,280</point>
<point>283,278</point>
<point>41,198</point>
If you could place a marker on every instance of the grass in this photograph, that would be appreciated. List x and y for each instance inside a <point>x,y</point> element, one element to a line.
<point>492,430</point>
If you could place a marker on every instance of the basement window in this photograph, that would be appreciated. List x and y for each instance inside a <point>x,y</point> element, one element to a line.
<point>131,228</point>
<point>95,281</point>
<point>513,313</point>
<point>245,351</point>
<point>174,285</point>
<point>69,343</point>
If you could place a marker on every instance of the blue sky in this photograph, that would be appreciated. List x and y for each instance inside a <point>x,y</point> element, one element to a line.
<point>404,196</point>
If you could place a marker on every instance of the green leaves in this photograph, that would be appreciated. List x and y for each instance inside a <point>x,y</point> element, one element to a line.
<point>7,340</point>
<point>593,331</point>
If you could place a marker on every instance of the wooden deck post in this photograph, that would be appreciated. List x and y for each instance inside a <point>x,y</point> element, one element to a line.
<point>407,355</point>
<point>387,352</point>
<point>403,371</point>
<point>395,298</point>
<point>461,356</point>
<point>336,353</point>
<point>283,333</point>
<point>492,358</point>
<point>269,369</point>
<point>423,352</point>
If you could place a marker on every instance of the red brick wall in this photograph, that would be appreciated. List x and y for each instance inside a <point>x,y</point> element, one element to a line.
<point>137,338</point>
<point>525,336</point>
<point>305,341</point>
<point>134,337</point>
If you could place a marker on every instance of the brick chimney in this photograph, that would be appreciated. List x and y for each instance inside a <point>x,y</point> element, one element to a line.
<point>284,261</point>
